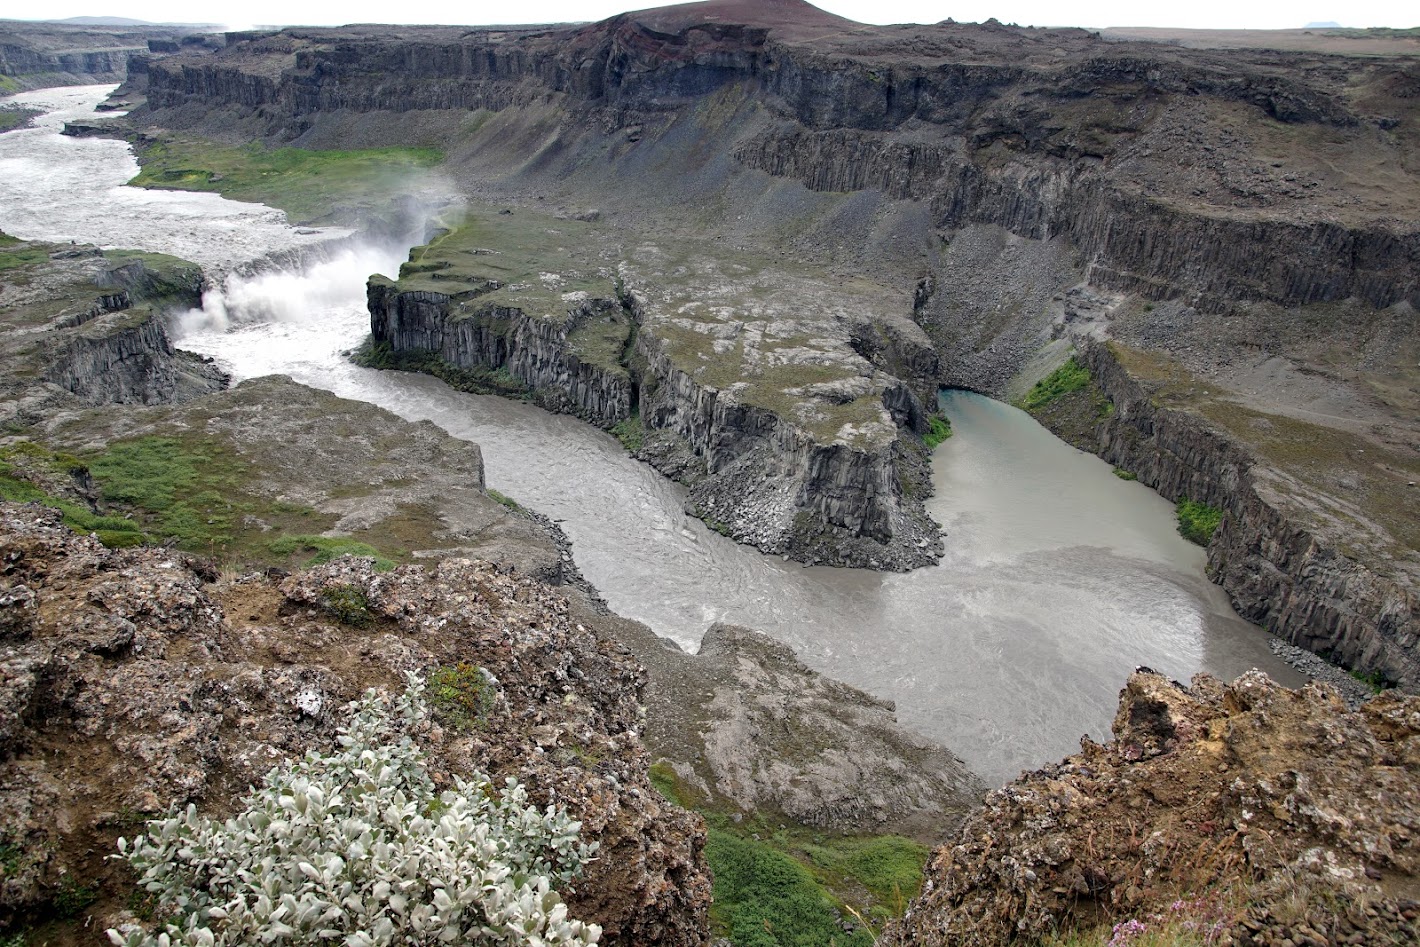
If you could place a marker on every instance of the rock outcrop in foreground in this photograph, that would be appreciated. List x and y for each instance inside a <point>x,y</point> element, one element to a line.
<point>1257,814</point>
<point>127,687</point>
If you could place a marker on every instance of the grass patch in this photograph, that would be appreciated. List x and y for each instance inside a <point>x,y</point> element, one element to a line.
<point>1123,474</point>
<point>22,254</point>
<point>113,531</point>
<point>1198,521</point>
<point>72,897</point>
<point>462,694</point>
<point>503,499</point>
<point>1072,376</point>
<point>326,548</point>
<point>180,490</point>
<point>630,433</point>
<point>939,428</point>
<point>12,118</point>
<point>310,186</point>
<point>1375,680</point>
<point>764,898</point>
<point>792,886</point>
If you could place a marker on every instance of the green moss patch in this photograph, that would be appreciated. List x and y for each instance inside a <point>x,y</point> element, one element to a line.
<point>462,695</point>
<point>939,428</point>
<point>630,433</point>
<point>311,186</point>
<point>1072,376</point>
<point>22,464</point>
<point>322,549</point>
<point>18,254</point>
<point>1198,521</point>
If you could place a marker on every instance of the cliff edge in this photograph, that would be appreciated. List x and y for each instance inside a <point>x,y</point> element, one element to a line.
<point>1235,814</point>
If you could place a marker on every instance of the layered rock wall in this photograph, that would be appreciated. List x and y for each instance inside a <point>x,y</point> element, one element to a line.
<point>132,362</point>
<point>753,474</point>
<point>91,65</point>
<point>1134,243</point>
<point>981,141</point>
<point>1279,572</point>
<point>534,351</point>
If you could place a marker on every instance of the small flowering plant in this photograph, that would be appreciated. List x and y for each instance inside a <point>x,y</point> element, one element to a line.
<point>1199,921</point>
<point>355,848</point>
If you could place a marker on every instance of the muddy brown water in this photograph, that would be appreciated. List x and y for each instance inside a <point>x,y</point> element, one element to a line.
<point>1059,578</point>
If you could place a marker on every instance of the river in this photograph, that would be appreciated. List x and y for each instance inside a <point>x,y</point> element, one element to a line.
<point>1059,577</point>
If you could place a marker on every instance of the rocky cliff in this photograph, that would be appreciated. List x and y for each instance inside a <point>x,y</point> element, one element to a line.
<point>1161,165</point>
<point>38,55</point>
<point>820,459</point>
<point>1241,814</point>
<point>1294,555</point>
<point>534,352</point>
<point>1279,552</point>
<point>131,686</point>
<point>93,324</point>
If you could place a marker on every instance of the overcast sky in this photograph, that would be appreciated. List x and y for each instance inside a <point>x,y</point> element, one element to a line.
<point>1214,14</point>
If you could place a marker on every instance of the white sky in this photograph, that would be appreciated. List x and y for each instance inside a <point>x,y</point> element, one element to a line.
<point>1213,14</point>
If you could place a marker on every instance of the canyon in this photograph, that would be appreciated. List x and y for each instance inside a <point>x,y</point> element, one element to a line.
<point>753,241</point>
<point>980,197</point>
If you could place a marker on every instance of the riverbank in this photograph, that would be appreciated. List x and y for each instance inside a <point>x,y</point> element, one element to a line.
<point>1312,530</point>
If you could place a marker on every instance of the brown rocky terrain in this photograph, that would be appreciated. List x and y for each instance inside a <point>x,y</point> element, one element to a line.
<point>1235,814</point>
<point>131,687</point>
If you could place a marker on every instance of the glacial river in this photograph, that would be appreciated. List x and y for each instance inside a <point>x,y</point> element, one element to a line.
<point>1059,578</point>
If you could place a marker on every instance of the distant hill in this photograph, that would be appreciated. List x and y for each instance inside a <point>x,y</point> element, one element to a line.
<point>103,21</point>
<point>1323,25</point>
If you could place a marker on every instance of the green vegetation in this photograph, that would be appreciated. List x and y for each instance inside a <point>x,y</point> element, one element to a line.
<point>311,186</point>
<point>791,886</point>
<point>326,548</point>
<point>185,490</point>
<point>1123,474</point>
<point>10,857</point>
<point>180,488</point>
<point>8,84</point>
<point>1375,680</point>
<point>764,898</point>
<point>503,499</point>
<point>1198,521</point>
<point>24,255</point>
<point>12,118</point>
<point>348,605</point>
<point>462,695</point>
<point>939,428</point>
<point>72,897</point>
<point>25,457</point>
<point>1072,376</point>
<point>630,433</point>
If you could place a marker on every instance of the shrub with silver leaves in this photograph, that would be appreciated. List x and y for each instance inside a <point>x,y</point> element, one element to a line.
<point>355,848</point>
